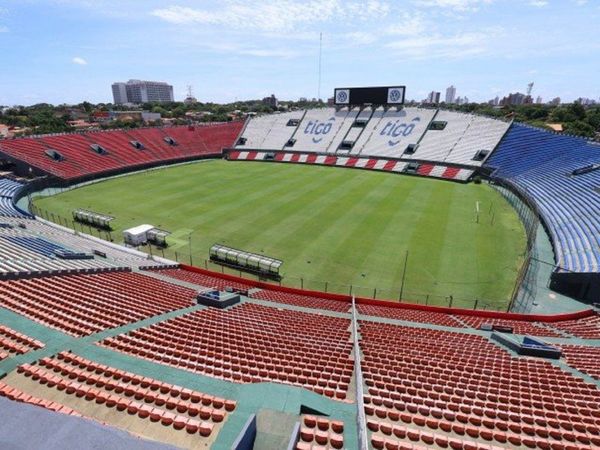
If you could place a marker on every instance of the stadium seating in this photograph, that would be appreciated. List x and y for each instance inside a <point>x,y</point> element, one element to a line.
<point>8,189</point>
<point>461,391</point>
<point>271,134</point>
<point>356,128</point>
<point>541,165</point>
<point>585,328</point>
<point>518,326</point>
<point>318,129</point>
<point>79,160</point>
<point>15,257</point>
<point>18,395</point>
<point>366,132</point>
<point>583,358</point>
<point>257,129</point>
<point>251,343</point>
<point>386,140</point>
<point>482,134</point>
<point>32,254</point>
<point>462,138</point>
<point>14,343</point>
<point>320,431</point>
<point>31,151</point>
<point>118,144</point>
<point>204,280</point>
<point>81,304</point>
<point>126,392</point>
<point>76,148</point>
<point>207,139</point>
<point>395,131</point>
<point>383,134</point>
<point>411,315</point>
<point>436,145</point>
<point>304,301</point>
<point>343,131</point>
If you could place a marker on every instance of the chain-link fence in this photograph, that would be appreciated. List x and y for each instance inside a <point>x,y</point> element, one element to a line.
<point>537,268</point>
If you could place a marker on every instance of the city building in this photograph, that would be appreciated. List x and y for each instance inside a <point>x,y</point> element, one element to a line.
<point>450,94</point>
<point>516,99</point>
<point>555,101</point>
<point>271,101</point>
<point>433,97</point>
<point>138,91</point>
<point>494,102</point>
<point>585,101</point>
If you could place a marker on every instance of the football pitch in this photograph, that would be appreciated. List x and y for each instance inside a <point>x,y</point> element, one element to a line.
<point>339,230</point>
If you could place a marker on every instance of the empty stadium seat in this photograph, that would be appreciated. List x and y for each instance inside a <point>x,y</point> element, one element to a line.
<point>84,304</point>
<point>433,387</point>
<point>79,160</point>
<point>251,343</point>
<point>540,164</point>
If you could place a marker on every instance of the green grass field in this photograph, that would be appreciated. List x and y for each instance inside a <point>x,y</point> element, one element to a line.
<point>340,226</point>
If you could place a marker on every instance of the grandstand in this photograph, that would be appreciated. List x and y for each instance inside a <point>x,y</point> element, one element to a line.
<point>8,190</point>
<point>407,133</point>
<point>90,329</point>
<point>77,156</point>
<point>543,167</point>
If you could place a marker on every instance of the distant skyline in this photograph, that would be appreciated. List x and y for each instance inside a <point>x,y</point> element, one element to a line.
<point>68,51</point>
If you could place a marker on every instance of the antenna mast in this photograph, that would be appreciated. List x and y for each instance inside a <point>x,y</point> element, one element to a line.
<point>320,56</point>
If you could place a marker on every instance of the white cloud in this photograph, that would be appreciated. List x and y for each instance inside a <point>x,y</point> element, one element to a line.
<point>273,15</point>
<point>456,5</point>
<point>266,53</point>
<point>4,29</point>
<point>360,38</point>
<point>438,45</point>
<point>79,61</point>
<point>407,25</point>
<point>538,3</point>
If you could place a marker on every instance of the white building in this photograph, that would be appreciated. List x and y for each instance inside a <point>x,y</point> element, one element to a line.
<point>450,94</point>
<point>137,235</point>
<point>138,91</point>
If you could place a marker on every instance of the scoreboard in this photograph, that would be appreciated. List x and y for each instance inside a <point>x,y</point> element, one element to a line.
<point>388,95</point>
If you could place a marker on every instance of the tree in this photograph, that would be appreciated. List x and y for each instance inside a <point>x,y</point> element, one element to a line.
<point>579,128</point>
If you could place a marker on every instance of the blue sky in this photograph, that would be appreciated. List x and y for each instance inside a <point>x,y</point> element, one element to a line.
<point>67,51</point>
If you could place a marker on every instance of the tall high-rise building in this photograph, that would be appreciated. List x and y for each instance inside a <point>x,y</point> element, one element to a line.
<point>119,93</point>
<point>433,97</point>
<point>138,91</point>
<point>450,94</point>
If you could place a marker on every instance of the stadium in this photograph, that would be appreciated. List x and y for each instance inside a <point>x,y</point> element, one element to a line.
<point>364,275</point>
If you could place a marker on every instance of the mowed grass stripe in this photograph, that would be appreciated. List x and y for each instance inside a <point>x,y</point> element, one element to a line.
<point>297,201</point>
<point>345,222</point>
<point>366,225</point>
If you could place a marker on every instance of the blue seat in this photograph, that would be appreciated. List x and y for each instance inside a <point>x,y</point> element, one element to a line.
<point>541,164</point>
